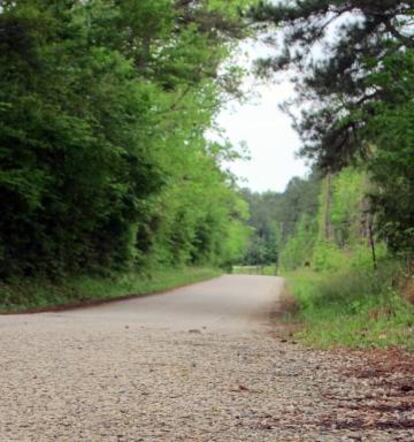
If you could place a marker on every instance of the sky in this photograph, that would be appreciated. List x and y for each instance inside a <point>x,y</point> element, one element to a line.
<point>262,125</point>
<point>267,131</point>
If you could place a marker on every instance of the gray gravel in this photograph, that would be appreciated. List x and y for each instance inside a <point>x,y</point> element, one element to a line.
<point>183,366</point>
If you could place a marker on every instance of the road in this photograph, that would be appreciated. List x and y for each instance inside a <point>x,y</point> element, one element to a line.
<point>195,364</point>
<point>227,304</point>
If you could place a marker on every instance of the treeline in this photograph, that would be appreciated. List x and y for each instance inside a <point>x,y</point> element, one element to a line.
<point>350,263</point>
<point>352,287</point>
<point>341,231</point>
<point>356,101</point>
<point>320,222</point>
<point>104,163</point>
<point>274,218</point>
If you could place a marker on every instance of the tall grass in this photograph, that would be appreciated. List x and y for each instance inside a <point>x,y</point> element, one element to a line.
<point>355,308</point>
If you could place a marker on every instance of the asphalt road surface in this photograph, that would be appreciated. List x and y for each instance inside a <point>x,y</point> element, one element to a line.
<point>196,364</point>
<point>227,304</point>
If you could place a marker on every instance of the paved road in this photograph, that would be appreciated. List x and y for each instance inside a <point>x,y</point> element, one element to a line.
<point>227,304</point>
<point>196,364</point>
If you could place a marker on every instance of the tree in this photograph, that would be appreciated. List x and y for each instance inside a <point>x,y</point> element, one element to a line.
<point>351,39</point>
<point>392,164</point>
<point>274,217</point>
<point>354,61</point>
<point>103,160</point>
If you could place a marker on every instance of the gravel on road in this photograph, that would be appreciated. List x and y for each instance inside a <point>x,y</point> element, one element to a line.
<point>93,375</point>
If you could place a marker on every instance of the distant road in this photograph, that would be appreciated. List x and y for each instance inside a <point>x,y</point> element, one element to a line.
<point>228,303</point>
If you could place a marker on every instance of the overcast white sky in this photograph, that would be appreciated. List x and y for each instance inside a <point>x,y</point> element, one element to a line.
<point>267,131</point>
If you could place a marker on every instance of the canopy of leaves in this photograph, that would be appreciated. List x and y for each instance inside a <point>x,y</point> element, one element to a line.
<point>334,47</point>
<point>354,74</point>
<point>103,160</point>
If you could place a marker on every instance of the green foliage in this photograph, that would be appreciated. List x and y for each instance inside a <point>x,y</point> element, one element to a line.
<point>343,300</point>
<point>328,238</point>
<point>349,189</point>
<point>328,257</point>
<point>298,250</point>
<point>263,243</point>
<point>104,163</point>
<point>356,96</point>
<point>300,198</point>
<point>275,217</point>
<point>355,308</point>
<point>392,165</point>
<point>22,295</point>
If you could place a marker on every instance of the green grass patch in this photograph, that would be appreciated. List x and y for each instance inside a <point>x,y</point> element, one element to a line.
<point>354,308</point>
<point>20,296</point>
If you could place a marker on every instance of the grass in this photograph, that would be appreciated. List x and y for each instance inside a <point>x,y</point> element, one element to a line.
<point>353,308</point>
<point>27,295</point>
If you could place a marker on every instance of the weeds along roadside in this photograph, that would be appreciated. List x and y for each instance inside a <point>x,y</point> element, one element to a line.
<point>20,296</point>
<point>357,307</point>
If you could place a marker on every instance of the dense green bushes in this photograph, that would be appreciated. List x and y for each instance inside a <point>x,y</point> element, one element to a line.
<point>339,231</point>
<point>103,160</point>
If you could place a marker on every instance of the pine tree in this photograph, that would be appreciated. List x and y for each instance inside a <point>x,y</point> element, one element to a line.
<point>334,47</point>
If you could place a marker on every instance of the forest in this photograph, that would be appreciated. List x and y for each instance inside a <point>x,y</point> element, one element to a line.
<point>344,237</point>
<point>105,163</point>
<point>110,184</point>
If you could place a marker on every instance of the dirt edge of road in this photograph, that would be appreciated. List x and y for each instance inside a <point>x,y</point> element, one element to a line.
<point>388,372</point>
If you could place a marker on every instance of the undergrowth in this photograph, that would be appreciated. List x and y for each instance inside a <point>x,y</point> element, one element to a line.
<point>356,308</point>
<point>20,296</point>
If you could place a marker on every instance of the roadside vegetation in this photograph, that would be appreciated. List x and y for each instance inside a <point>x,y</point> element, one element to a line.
<point>356,308</point>
<point>105,167</point>
<point>345,238</point>
<point>350,288</point>
<point>109,184</point>
<point>36,295</point>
